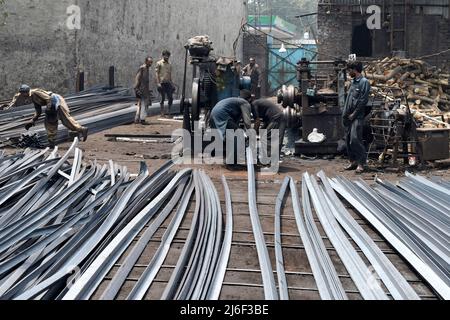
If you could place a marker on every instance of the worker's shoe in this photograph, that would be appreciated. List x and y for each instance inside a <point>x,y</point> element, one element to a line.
<point>51,144</point>
<point>84,132</point>
<point>361,169</point>
<point>351,167</point>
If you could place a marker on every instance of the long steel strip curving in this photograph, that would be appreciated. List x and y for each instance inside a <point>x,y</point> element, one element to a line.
<point>270,289</point>
<point>391,277</point>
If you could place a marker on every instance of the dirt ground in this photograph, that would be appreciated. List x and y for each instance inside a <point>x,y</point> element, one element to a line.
<point>158,151</point>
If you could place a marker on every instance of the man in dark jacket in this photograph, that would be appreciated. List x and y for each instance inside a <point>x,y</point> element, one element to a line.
<point>227,114</point>
<point>272,117</point>
<point>355,110</point>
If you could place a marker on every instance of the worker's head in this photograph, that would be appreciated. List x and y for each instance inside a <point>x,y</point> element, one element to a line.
<point>166,55</point>
<point>24,90</point>
<point>149,61</point>
<point>252,61</point>
<point>355,68</point>
<point>247,95</point>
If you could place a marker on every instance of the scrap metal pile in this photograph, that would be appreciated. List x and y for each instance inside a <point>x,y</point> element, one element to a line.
<point>64,225</point>
<point>424,88</point>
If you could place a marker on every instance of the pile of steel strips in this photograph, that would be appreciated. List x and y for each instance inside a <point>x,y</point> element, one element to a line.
<point>414,218</point>
<point>64,225</point>
<point>98,109</point>
<point>411,215</point>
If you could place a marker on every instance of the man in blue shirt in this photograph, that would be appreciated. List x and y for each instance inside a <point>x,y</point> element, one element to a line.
<point>355,110</point>
<point>227,114</point>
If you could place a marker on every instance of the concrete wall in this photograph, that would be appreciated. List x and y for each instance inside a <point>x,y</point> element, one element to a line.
<point>428,31</point>
<point>38,48</point>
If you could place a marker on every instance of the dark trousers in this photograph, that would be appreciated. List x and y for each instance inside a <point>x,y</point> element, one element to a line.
<point>266,143</point>
<point>256,91</point>
<point>166,91</point>
<point>355,144</point>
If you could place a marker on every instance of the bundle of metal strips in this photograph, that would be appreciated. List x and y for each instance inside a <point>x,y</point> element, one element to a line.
<point>358,270</point>
<point>270,289</point>
<point>325,274</point>
<point>391,277</point>
<point>63,225</point>
<point>413,218</point>
<point>98,109</point>
<point>201,266</point>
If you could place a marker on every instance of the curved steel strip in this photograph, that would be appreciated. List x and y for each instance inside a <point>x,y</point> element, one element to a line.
<point>391,277</point>
<point>281,273</point>
<point>42,181</point>
<point>175,282</point>
<point>368,212</point>
<point>325,275</point>
<point>127,266</point>
<point>270,289</point>
<point>218,238</point>
<point>86,285</point>
<point>146,280</point>
<point>192,270</point>
<point>219,275</point>
<point>350,258</point>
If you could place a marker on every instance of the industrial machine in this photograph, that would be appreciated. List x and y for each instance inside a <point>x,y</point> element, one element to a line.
<point>311,107</point>
<point>213,79</point>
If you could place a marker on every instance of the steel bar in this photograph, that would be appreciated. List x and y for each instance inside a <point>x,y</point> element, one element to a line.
<point>146,280</point>
<point>391,277</point>
<point>281,274</point>
<point>89,281</point>
<point>352,261</point>
<point>219,274</point>
<point>368,211</point>
<point>270,290</point>
<point>327,280</point>
<point>114,286</point>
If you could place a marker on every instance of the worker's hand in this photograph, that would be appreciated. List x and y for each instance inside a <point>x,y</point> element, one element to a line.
<point>4,106</point>
<point>352,117</point>
<point>29,125</point>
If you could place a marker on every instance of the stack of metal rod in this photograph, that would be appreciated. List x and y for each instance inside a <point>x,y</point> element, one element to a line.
<point>98,109</point>
<point>414,218</point>
<point>64,224</point>
<point>411,215</point>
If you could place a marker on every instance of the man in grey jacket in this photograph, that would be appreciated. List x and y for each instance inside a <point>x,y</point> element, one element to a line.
<point>355,110</point>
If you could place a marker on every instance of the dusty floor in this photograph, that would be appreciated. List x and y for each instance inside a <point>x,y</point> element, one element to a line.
<point>243,279</point>
<point>158,151</point>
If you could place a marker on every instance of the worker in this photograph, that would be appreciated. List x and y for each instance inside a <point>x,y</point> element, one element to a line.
<point>355,111</point>
<point>55,109</point>
<point>253,71</point>
<point>164,80</point>
<point>142,90</point>
<point>227,114</point>
<point>272,116</point>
